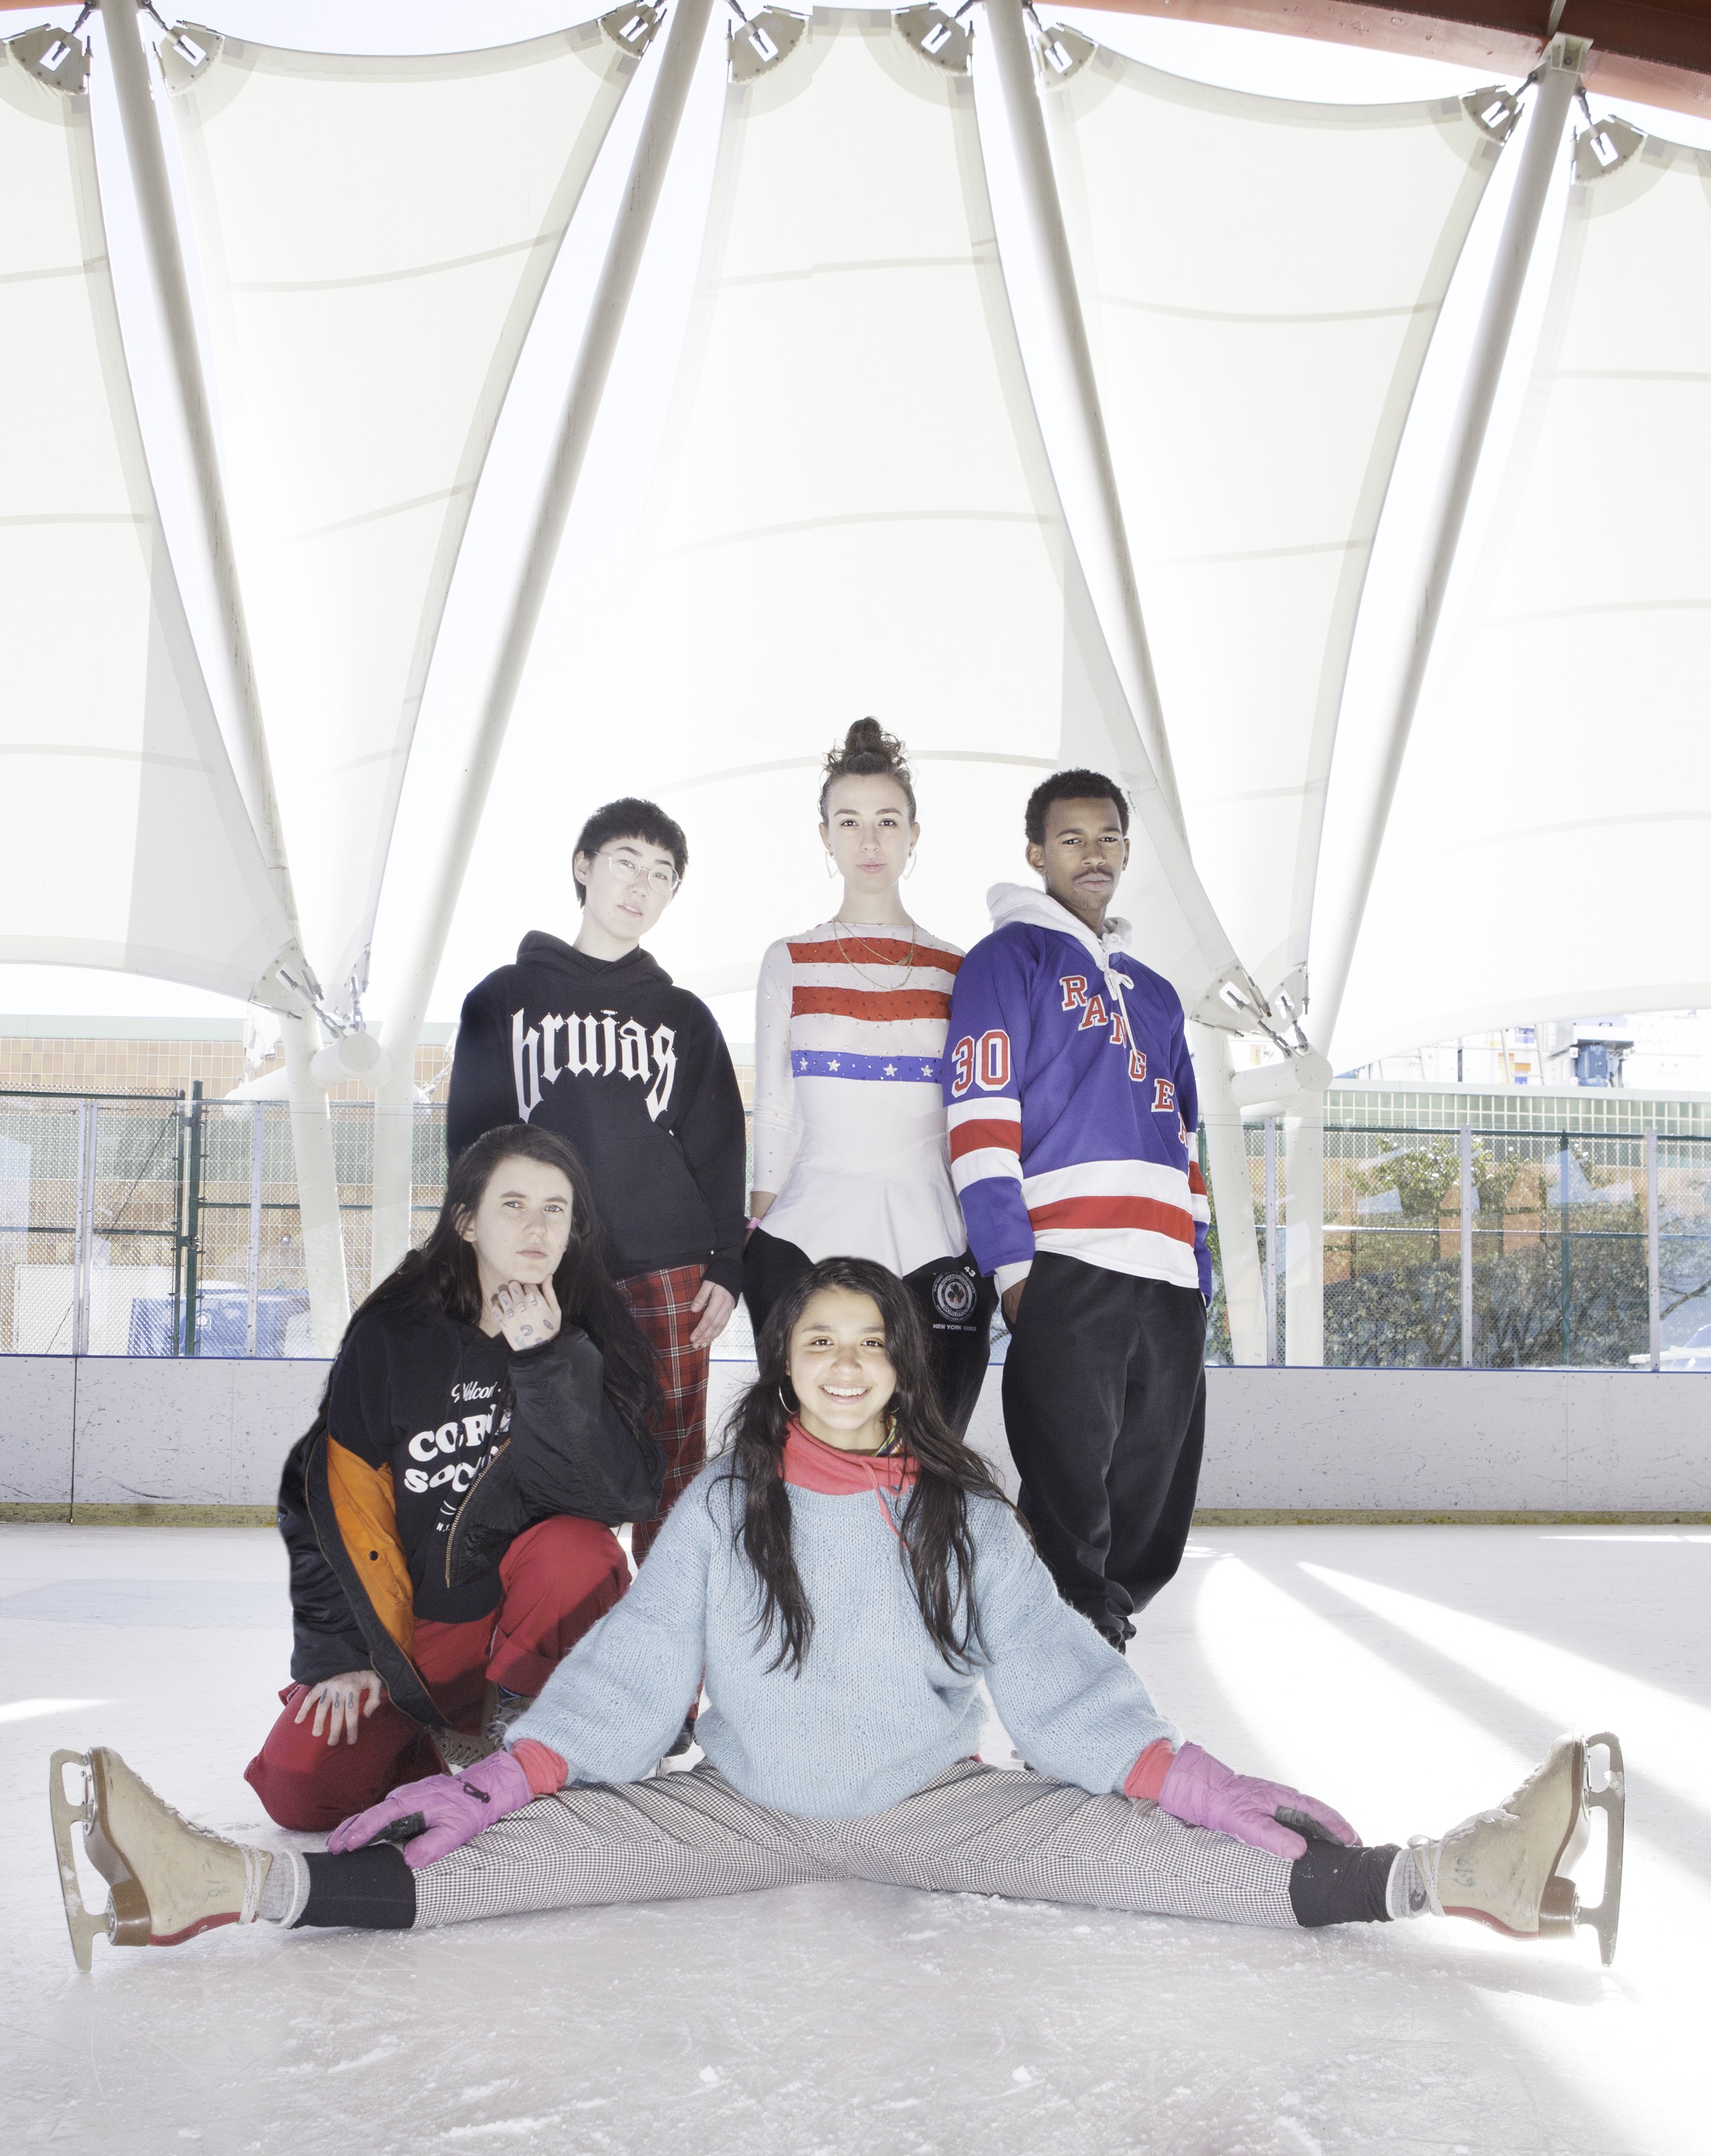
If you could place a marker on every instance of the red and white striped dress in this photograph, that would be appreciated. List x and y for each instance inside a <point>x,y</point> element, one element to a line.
<point>849,1110</point>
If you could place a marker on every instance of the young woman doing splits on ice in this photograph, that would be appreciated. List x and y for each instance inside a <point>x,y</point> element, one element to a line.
<point>448,1513</point>
<point>850,1154</point>
<point>845,1574</point>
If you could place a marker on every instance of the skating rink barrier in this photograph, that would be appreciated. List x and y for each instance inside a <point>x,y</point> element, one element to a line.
<point>103,1438</point>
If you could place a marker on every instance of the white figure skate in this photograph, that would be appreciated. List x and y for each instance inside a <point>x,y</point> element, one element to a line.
<point>1507,1868</point>
<point>166,1879</point>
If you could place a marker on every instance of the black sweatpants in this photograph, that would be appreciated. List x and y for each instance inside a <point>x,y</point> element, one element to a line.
<point>1105,1409</point>
<point>956,1302</point>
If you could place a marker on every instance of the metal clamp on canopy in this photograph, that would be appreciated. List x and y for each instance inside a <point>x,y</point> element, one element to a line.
<point>635,27</point>
<point>186,52</point>
<point>53,57</point>
<point>1063,53</point>
<point>1493,110</point>
<point>763,41</point>
<point>1605,145</point>
<point>938,37</point>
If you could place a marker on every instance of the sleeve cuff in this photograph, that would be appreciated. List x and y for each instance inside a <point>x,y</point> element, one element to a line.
<point>547,1772</point>
<point>724,1269</point>
<point>1146,1777</point>
<point>1006,1276</point>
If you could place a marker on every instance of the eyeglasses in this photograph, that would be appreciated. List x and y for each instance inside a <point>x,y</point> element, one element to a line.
<point>630,868</point>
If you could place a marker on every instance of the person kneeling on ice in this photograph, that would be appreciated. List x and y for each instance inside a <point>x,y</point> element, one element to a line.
<point>449,1514</point>
<point>845,1574</point>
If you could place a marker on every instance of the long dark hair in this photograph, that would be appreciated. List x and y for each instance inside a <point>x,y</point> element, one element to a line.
<point>937,1546</point>
<point>444,1277</point>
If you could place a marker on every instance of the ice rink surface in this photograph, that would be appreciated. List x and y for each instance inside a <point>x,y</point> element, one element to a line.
<point>1408,1675</point>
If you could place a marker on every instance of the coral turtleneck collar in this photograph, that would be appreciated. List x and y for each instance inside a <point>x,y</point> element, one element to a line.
<point>811,1465</point>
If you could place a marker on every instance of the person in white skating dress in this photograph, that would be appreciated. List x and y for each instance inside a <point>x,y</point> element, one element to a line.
<point>851,1155</point>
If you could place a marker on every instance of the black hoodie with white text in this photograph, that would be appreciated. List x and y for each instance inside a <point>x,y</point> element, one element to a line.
<point>634,1073</point>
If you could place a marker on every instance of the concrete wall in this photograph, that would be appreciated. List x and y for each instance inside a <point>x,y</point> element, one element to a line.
<point>107,1432</point>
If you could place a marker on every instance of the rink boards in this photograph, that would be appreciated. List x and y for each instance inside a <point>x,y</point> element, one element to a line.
<point>115,1438</point>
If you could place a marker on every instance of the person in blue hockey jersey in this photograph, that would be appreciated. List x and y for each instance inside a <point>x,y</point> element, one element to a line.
<point>1073,1120</point>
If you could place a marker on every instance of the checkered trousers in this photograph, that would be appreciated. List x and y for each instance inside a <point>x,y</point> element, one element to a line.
<point>974,1830</point>
<point>660,1304</point>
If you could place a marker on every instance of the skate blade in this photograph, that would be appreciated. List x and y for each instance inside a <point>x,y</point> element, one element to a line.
<point>83,1927</point>
<point>1612,1801</point>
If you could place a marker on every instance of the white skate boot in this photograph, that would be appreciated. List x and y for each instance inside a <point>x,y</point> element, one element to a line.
<point>1507,1867</point>
<point>167,1879</point>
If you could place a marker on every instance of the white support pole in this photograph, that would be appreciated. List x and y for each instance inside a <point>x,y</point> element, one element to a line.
<point>317,1192</point>
<point>1654,1265</point>
<point>1272,1240</point>
<point>441,882</point>
<point>129,60</point>
<point>1346,881</point>
<point>83,1247</point>
<point>1232,1194</point>
<point>1467,1246</point>
<point>1015,58</point>
<point>317,1187</point>
<point>1304,1232</point>
<point>252,1268</point>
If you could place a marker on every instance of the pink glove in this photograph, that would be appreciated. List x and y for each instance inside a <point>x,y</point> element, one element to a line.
<point>1201,1791</point>
<point>433,1817</point>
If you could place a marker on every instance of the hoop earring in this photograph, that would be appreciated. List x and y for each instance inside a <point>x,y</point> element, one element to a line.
<point>914,855</point>
<point>831,867</point>
<point>786,1405</point>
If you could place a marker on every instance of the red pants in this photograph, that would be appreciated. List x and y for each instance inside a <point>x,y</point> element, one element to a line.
<point>558,1577</point>
<point>660,1304</point>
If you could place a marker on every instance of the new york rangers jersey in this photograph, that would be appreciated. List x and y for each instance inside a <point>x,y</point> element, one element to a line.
<point>1070,1101</point>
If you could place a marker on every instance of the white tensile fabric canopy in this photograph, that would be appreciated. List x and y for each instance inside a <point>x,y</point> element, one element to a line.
<point>127,845</point>
<point>1261,278</point>
<point>852,513</point>
<point>374,236</point>
<point>1545,853</point>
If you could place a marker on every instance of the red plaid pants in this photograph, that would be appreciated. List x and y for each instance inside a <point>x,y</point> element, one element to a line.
<point>660,1304</point>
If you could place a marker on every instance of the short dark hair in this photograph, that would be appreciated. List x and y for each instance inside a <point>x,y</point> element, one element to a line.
<point>1071,786</point>
<point>629,818</point>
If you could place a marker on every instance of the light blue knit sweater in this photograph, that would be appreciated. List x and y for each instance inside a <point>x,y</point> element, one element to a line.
<point>875,1712</point>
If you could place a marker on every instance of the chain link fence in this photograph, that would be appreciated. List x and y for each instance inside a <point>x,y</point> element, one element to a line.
<point>1493,1249</point>
<point>136,1224</point>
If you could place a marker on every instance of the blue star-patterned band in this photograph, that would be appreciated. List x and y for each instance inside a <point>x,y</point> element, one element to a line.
<point>897,1069</point>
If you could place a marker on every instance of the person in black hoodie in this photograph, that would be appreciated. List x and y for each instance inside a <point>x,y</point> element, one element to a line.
<point>448,1515</point>
<point>592,1040</point>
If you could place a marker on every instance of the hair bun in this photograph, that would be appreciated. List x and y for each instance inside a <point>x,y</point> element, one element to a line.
<point>868,737</point>
<point>868,751</point>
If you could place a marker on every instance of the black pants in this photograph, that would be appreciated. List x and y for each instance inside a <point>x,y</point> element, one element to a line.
<point>955,1300</point>
<point>1105,1409</point>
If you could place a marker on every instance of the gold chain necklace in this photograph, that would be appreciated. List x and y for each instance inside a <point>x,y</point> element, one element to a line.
<point>908,963</point>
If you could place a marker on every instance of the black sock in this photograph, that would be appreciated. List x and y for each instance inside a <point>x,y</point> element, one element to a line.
<point>1332,1885</point>
<point>373,1889</point>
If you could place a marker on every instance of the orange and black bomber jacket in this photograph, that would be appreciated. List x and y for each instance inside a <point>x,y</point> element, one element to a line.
<point>436,1446</point>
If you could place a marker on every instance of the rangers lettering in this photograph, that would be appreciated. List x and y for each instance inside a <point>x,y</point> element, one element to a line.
<point>1075,991</point>
<point>1119,1031</point>
<point>1094,1017</point>
<point>1138,1065</point>
<point>1163,1098</point>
